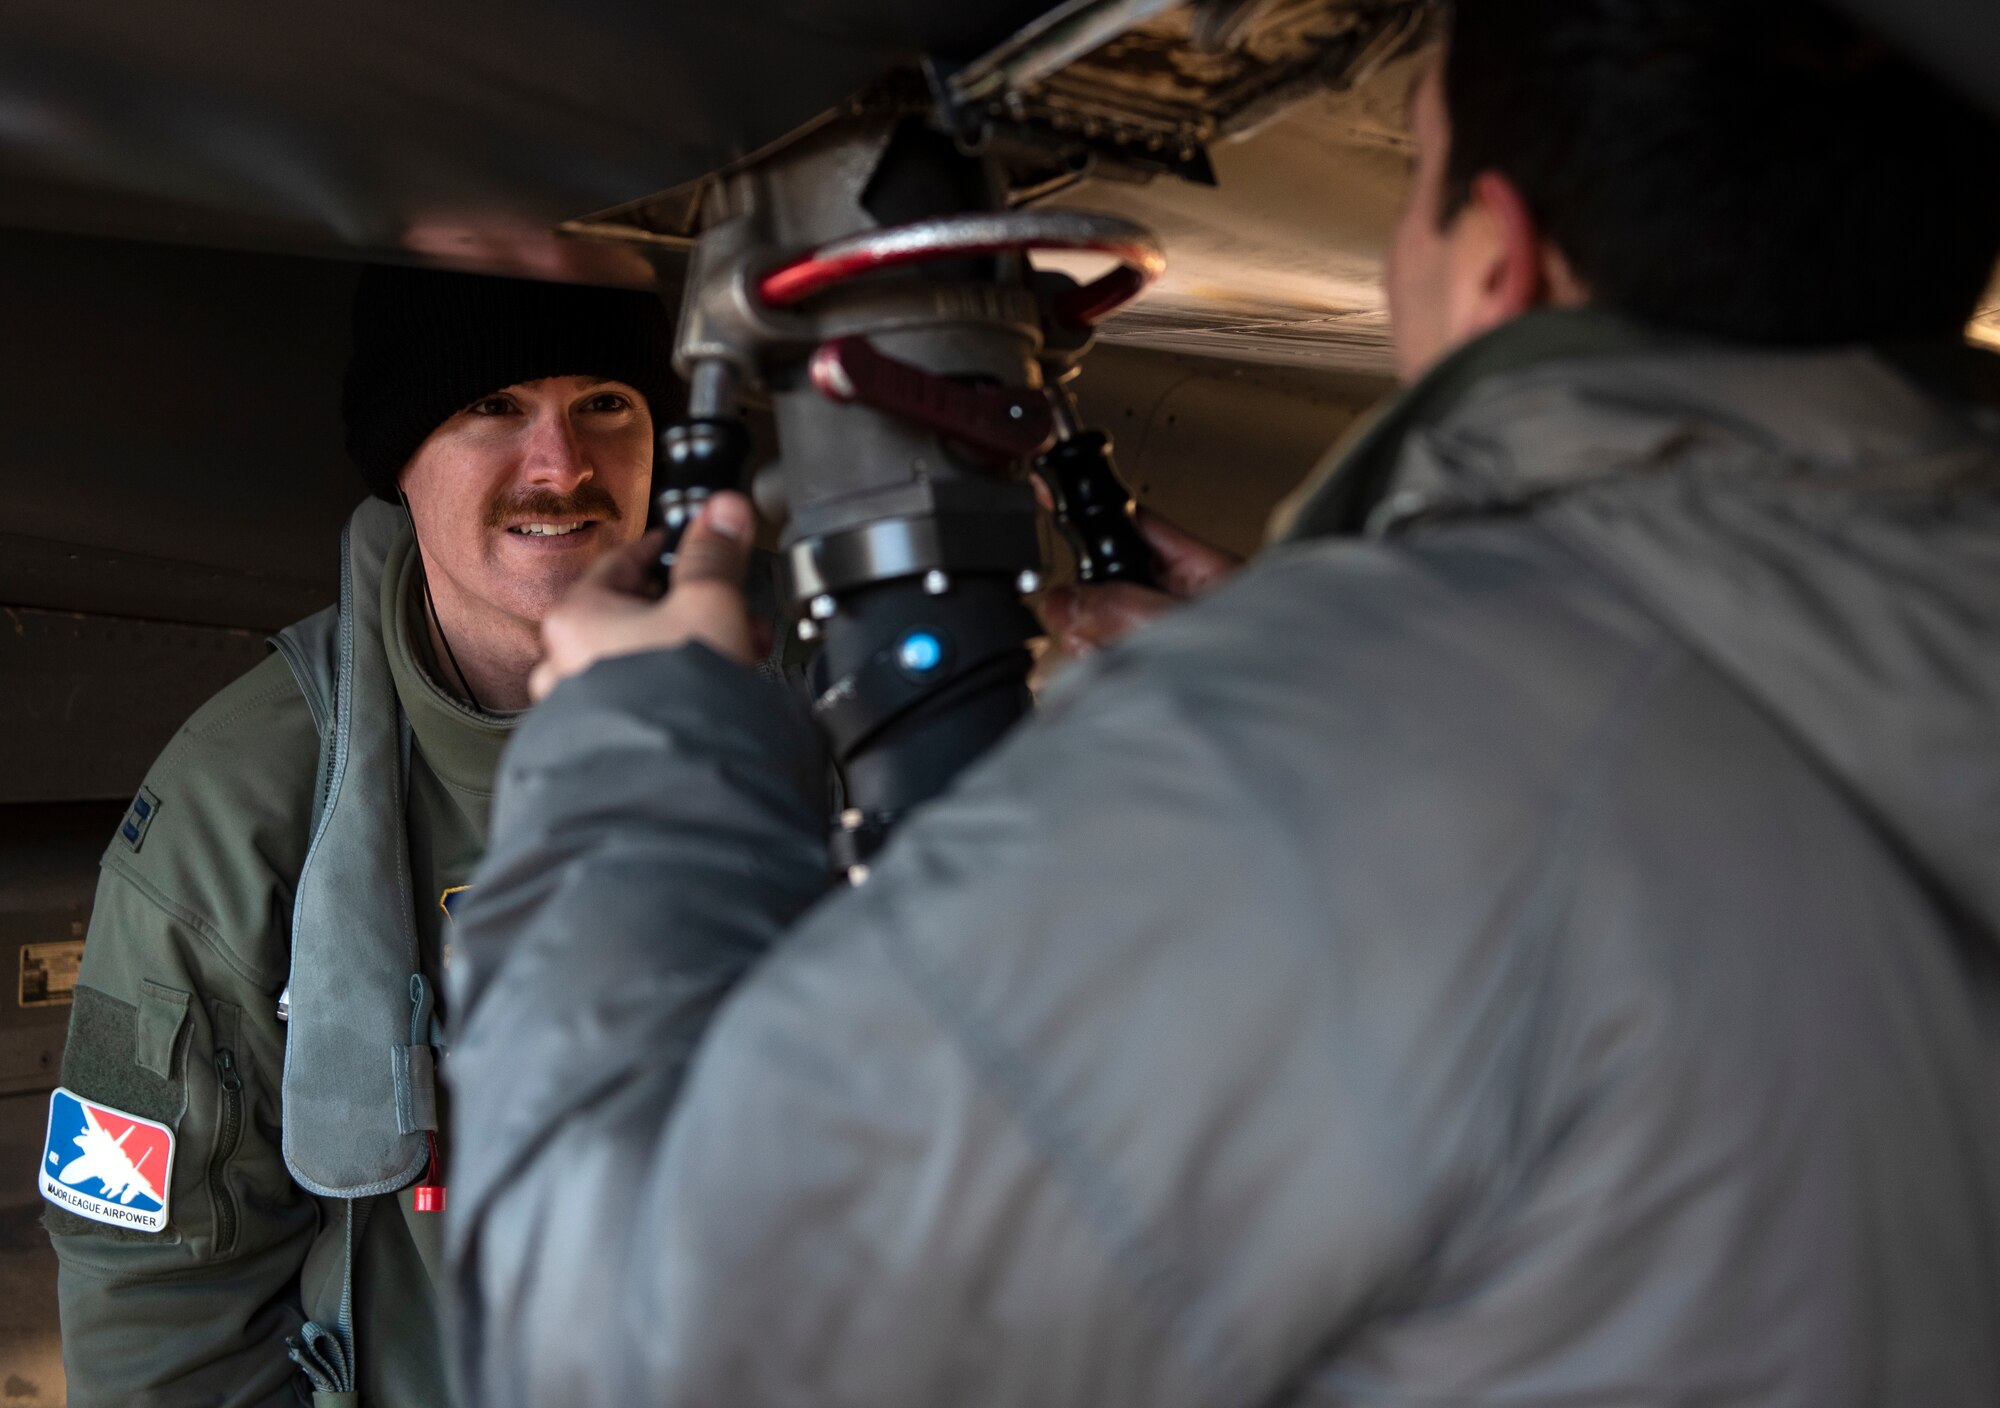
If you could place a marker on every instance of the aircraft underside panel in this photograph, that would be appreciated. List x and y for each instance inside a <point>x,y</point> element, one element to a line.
<point>454,128</point>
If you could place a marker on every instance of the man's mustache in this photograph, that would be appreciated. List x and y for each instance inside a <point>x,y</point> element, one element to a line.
<point>588,500</point>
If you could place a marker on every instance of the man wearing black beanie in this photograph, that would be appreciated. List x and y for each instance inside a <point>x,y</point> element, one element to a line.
<point>258,989</point>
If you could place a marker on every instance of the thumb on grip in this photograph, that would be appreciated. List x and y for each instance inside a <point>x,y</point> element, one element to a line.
<point>716,546</point>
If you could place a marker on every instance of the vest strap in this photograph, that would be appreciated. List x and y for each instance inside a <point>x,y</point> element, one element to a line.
<point>356,1099</point>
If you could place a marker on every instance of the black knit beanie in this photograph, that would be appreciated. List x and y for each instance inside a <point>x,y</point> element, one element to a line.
<point>428,344</point>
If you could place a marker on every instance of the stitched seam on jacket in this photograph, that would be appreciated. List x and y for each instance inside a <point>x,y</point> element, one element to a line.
<point>189,736</point>
<point>270,694</point>
<point>1155,1281</point>
<point>181,914</point>
<point>296,663</point>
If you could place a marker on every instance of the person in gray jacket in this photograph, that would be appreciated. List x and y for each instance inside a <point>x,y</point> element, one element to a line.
<point>1533,937</point>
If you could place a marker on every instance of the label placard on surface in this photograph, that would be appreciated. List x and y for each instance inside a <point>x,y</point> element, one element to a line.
<point>106,1165</point>
<point>48,973</point>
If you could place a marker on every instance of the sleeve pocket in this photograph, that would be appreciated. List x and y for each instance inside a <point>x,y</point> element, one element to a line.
<point>162,1011</point>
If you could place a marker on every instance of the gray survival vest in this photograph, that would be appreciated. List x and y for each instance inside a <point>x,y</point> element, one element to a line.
<point>360,1081</point>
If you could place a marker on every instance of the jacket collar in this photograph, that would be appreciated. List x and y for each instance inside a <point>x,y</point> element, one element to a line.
<point>461,744</point>
<point>1821,527</point>
<point>1559,398</point>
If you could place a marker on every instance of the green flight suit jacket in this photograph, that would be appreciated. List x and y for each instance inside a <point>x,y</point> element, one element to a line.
<point>176,1020</point>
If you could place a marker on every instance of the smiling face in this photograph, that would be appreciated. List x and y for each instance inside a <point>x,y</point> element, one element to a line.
<point>520,491</point>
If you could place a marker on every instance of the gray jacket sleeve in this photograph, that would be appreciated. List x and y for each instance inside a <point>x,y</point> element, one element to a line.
<point>1038,1115</point>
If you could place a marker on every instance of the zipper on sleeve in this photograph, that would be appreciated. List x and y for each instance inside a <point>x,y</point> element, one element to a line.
<point>226,1139</point>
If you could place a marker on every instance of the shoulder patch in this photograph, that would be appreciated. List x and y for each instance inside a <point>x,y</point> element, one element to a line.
<point>139,816</point>
<point>106,1165</point>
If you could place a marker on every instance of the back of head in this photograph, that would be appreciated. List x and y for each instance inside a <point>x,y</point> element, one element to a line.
<point>1760,170</point>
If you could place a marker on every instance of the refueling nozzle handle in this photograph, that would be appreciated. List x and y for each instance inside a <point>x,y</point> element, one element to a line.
<point>1092,506</point>
<point>700,455</point>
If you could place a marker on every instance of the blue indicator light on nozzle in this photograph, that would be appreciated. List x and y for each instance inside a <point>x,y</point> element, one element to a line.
<point>920,653</point>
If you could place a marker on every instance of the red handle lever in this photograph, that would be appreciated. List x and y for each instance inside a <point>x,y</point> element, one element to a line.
<point>976,234</point>
<point>1006,422</point>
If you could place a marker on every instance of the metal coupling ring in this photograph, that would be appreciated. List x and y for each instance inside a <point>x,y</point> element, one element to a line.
<point>980,233</point>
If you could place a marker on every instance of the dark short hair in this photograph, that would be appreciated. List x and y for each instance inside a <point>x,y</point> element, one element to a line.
<point>1757,170</point>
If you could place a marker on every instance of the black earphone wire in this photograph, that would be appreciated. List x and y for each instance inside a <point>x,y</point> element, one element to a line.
<point>430,605</point>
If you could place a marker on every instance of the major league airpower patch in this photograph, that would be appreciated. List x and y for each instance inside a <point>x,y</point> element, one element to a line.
<point>106,1165</point>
